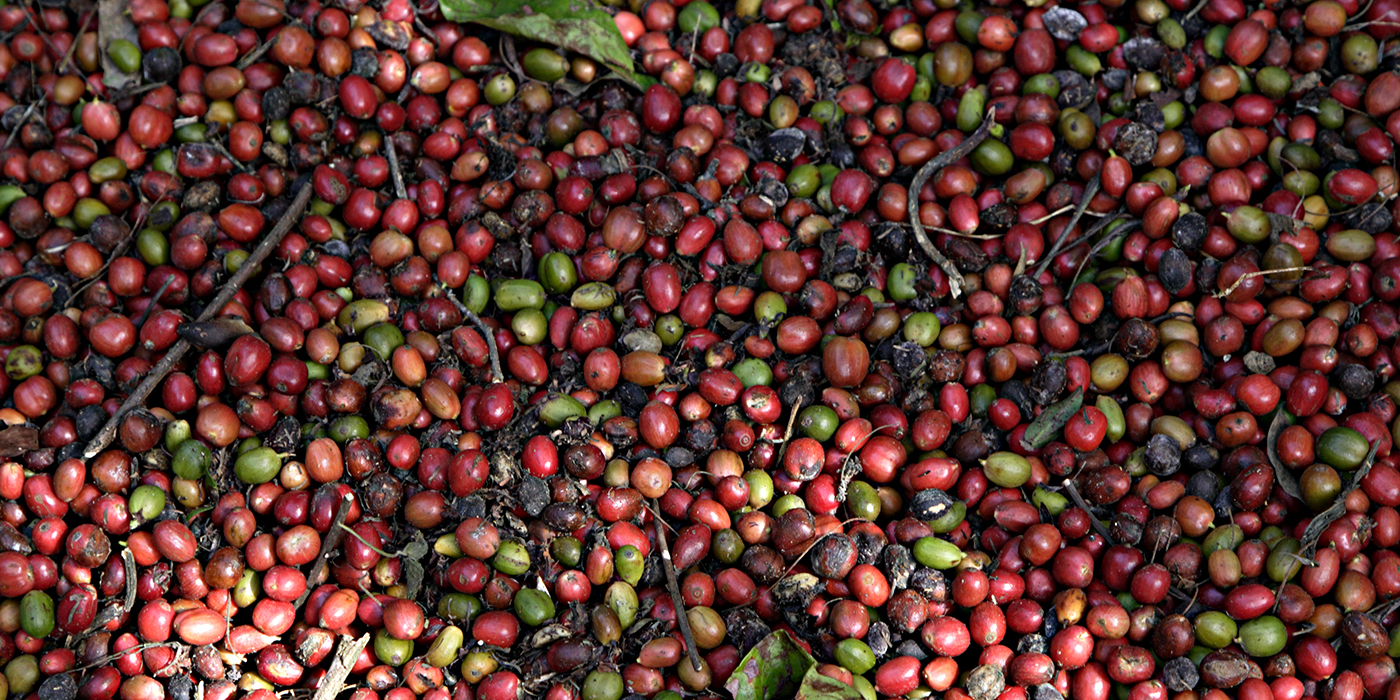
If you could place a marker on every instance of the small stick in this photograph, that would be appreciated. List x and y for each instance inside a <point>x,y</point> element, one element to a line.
<point>787,435</point>
<point>490,345</point>
<point>1104,243</point>
<point>1062,210</point>
<point>113,657</point>
<point>29,111</point>
<point>956,283</point>
<point>1020,265</point>
<point>675,588</point>
<point>117,251</point>
<point>155,301</point>
<point>1260,273</point>
<point>68,57</point>
<point>47,42</point>
<point>224,152</point>
<point>345,658</point>
<point>1090,190</point>
<point>124,93</point>
<point>960,234</point>
<point>257,53</point>
<point>428,33</point>
<point>394,166</point>
<point>329,546</point>
<point>109,431</point>
<point>1093,519</point>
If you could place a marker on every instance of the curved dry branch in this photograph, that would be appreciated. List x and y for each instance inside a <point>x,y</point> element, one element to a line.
<point>956,283</point>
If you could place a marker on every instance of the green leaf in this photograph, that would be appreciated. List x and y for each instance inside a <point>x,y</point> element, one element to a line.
<point>772,669</point>
<point>815,686</point>
<point>574,25</point>
<point>1048,424</point>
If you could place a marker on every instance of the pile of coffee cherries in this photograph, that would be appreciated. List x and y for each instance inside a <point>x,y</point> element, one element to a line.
<point>984,349</point>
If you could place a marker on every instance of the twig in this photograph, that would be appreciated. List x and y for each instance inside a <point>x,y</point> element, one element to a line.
<point>1169,315</point>
<point>1365,8</point>
<point>28,112</point>
<point>1066,208</point>
<point>49,42</point>
<point>155,301</point>
<point>1105,242</point>
<point>675,588</point>
<point>394,166</point>
<point>118,251</point>
<point>257,53</point>
<point>224,152</point>
<point>496,375</point>
<point>1020,264</point>
<point>1093,519</point>
<point>177,351</point>
<point>345,657</point>
<point>960,234</point>
<point>787,435</point>
<point>124,93</point>
<point>1091,189</point>
<point>329,546</point>
<point>68,57</point>
<point>113,657</point>
<point>956,283</point>
<point>1260,273</point>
